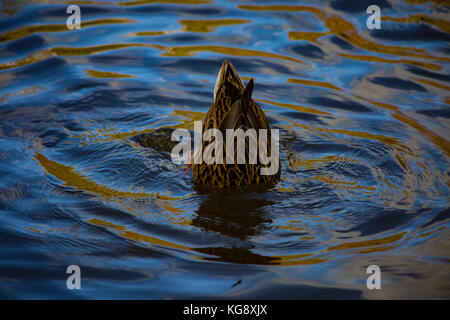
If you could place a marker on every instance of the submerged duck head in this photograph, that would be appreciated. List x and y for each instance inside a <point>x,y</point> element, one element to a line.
<point>233,108</point>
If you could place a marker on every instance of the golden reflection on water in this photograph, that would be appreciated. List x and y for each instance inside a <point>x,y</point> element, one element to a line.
<point>65,51</point>
<point>106,134</point>
<point>106,74</point>
<point>24,92</point>
<point>208,25</point>
<point>295,107</point>
<point>203,26</point>
<point>134,3</point>
<point>313,163</point>
<point>149,33</point>
<point>370,243</point>
<point>142,2</point>
<point>442,24</point>
<point>438,141</point>
<point>312,83</point>
<point>426,65</point>
<point>29,30</point>
<point>441,143</point>
<point>431,83</point>
<point>100,222</point>
<point>308,36</point>
<point>183,51</point>
<point>168,51</point>
<point>336,25</point>
<point>122,231</point>
<point>404,155</point>
<point>436,2</point>
<point>346,31</point>
<point>243,255</point>
<point>291,8</point>
<point>72,178</point>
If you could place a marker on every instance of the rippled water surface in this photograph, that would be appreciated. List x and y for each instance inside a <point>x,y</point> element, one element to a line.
<point>364,124</point>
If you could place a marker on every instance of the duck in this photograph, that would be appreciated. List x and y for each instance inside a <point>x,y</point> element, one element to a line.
<point>233,108</point>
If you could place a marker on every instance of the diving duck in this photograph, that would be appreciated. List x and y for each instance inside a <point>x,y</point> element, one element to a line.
<point>233,108</point>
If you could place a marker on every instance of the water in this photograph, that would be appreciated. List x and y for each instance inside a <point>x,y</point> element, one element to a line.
<point>363,118</point>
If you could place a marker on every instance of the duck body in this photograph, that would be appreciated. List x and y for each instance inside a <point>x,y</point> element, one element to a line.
<point>233,108</point>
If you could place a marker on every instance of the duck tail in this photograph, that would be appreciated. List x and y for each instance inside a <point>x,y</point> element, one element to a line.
<point>247,95</point>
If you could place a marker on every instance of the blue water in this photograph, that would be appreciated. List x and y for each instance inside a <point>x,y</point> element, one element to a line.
<point>364,124</point>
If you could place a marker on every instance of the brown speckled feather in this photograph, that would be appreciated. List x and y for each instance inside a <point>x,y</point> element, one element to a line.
<point>232,108</point>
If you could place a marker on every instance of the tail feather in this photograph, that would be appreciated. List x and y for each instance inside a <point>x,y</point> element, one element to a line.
<point>240,114</point>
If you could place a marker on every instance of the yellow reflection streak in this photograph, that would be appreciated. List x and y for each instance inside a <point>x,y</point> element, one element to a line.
<point>122,231</point>
<point>436,2</point>
<point>308,36</point>
<point>348,185</point>
<point>295,260</point>
<point>431,83</point>
<point>28,30</point>
<point>400,152</point>
<point>369,243</point>
<point>367,246</point>
<point>314,83</point>
<point>72,178</point>
<point>140,237</point>
<point>439,142</point>
<point>390,141</point>
<point>291,8</point>
<point>169,51</point>
<point>33,229</point>
<point>24,92</point>
<point>143,2</point>
<point>194,26</point>
<point>426,65</point>
<point>208,25</point>
<point>426,234</point>
<point>103,223</point>
<point>110,134</point>
<point>138,2</point>
<point>399,148</point>
<point>397,114</point>
<point>442,24</point>
<point>149,33</point>
<point>106,74</point>
<point>66,51</point>
<point>294,107</point>
<point>373,245</point>
<point>313,163</point>
<point>192,50</point>
<point>346,31</point>
<point>189,118</point>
